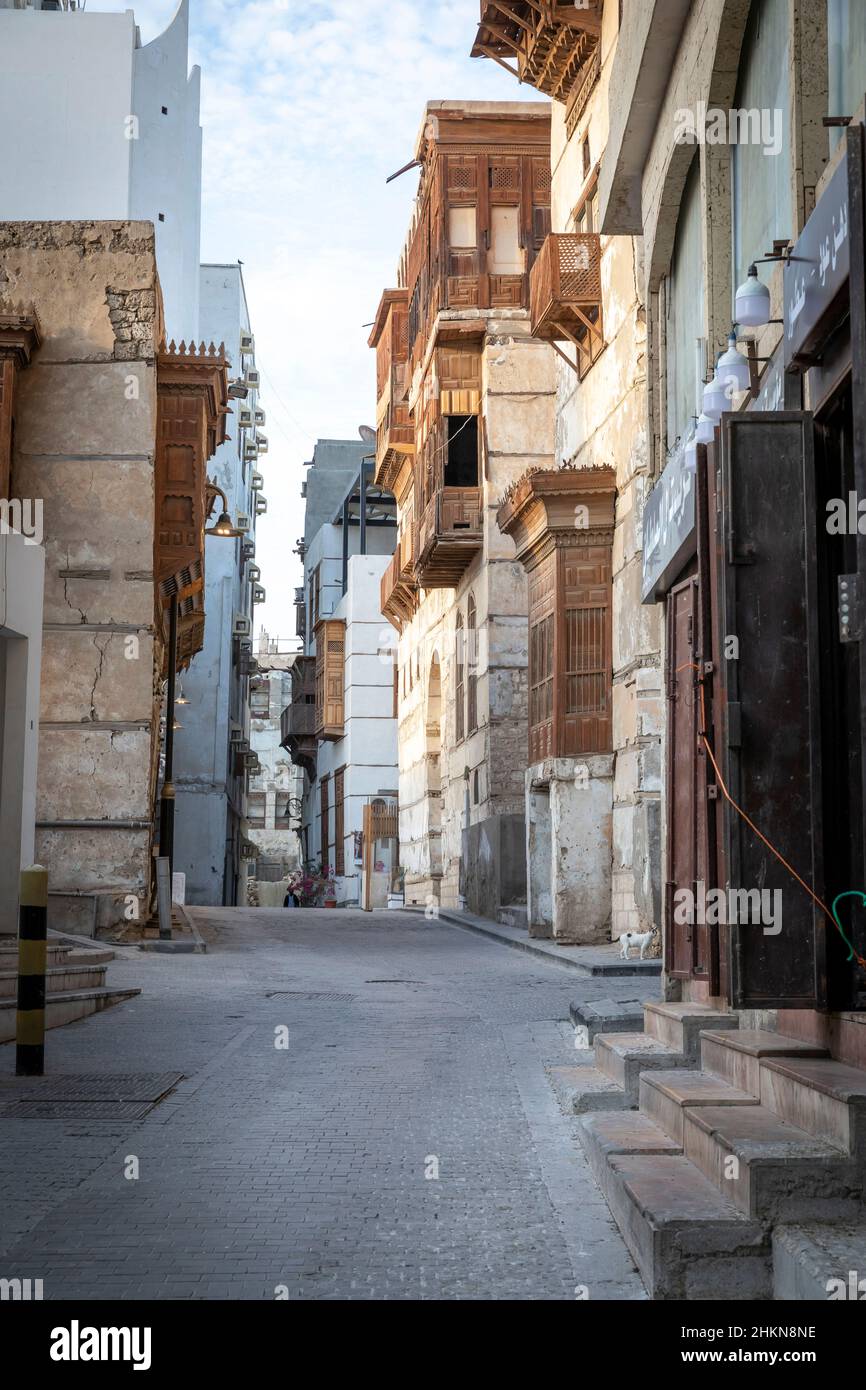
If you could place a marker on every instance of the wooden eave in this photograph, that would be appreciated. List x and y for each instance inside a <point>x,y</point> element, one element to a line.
<point>20,332</point>
<point>540,509</point>
<point>389,298</point>
<point>550,42</point>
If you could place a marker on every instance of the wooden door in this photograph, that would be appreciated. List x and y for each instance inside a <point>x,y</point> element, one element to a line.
<point>686,952</point>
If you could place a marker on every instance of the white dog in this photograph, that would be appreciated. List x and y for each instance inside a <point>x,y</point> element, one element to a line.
<point>634,938</point>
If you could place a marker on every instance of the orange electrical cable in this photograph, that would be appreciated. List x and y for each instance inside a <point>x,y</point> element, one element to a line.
<point>691,665</point>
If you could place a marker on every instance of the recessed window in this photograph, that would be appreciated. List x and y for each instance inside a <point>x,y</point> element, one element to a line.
<point>162,217</point>
<point>165,110</point>
<point>461,466</point>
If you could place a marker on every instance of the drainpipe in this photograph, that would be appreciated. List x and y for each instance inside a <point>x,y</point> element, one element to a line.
<point>166,805</point>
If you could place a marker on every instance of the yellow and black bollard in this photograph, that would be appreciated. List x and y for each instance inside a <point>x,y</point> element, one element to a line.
<point>32,950</point>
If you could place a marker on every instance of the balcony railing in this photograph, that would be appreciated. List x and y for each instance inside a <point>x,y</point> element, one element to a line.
<point>565,295</point>
<point>297,734</point>
<point>449,534</point>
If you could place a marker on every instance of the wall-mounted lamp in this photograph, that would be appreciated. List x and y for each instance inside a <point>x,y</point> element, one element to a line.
<point>224,525</point>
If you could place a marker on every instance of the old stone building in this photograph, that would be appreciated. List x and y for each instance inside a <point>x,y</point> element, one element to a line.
<point>112,433</point>
<point>732,172</point>
<point>593,776</point>
<point>464,408</point>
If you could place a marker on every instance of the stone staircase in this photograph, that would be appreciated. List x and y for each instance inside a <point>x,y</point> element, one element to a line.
<point>671,1038</point>
<point>74,983</point>
<point>747,1137</point>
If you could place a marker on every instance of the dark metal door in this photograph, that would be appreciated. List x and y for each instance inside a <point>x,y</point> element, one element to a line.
<point>685,938</point>
<point>771,730</point>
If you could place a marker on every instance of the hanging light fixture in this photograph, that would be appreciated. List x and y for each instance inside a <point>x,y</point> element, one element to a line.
<point>732,368</point>
<point>180,698</point>
<point>714,400</point>
<point>690,457</point>
<point>705,430</point>
<point>752,301</point>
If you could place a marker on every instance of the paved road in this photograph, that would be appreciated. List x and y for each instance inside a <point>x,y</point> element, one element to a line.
<point>310,1171</point>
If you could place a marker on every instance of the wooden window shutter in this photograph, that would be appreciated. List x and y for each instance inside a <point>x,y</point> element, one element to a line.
<point>584,652</point>
<point>339,831</point>
<point>325,831</point>
<point>330,677</point>
<point>460,668</point>
<point>542,605</point>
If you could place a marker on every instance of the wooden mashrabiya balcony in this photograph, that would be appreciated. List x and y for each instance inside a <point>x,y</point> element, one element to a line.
<point>398,589</point>
<point>450,534</point>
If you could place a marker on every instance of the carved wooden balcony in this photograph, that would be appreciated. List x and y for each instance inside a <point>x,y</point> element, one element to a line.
<point>551,42</point>
<point>330,635</point>
<point>449,535</point>
<point>395,435</point>
<point>565,294</point>
<point>298,720</point>
<point>398,589</point>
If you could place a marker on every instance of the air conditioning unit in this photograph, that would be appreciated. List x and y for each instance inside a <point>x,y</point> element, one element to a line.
<point>241,747</point>
<point>236,735</point>
<point>248,344</point>
<point>248,550</point>
<point>249,850</point>
<point>261,505</point>
<point>245,417</point>
<point>251,452</point>
<point>253,379</point>
<point>246,647</point>
<point>254,574</point>
<point>262,443</point>
<point>257,482</point>
<point>259,415</point>
<point>259,594</point>
<point>244,522</point>
<point>241,626</point>
<point>251,762</point>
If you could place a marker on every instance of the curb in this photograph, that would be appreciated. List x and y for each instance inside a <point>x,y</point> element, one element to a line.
<point>548,951</point>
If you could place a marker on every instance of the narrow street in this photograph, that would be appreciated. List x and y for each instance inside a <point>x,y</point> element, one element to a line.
<point>309,1171</point>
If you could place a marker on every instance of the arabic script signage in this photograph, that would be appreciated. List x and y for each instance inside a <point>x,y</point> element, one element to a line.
<point>817,273</point>
<point>669,537</point>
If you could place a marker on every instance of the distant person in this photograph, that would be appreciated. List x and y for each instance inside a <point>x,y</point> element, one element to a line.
<point>289,900</point>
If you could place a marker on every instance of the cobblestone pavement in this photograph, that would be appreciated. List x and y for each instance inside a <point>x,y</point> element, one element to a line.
<point>308,1171</point>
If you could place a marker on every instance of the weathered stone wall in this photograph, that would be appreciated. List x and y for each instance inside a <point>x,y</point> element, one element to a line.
<point>602,420</point>
<point>84,444</point>
<point>517,432</point>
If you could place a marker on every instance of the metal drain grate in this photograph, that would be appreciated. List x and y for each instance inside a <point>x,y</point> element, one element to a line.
<point>111,1110</point>
<point>83,1088</point>
<point>309,994</point>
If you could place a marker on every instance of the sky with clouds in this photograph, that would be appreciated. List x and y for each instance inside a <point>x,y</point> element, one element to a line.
<point>306,109</point>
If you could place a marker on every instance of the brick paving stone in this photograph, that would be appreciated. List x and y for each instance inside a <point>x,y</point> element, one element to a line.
<point>308,1169</point>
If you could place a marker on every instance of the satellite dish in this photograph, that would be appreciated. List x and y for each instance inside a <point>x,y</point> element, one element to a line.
<point>367,433</point>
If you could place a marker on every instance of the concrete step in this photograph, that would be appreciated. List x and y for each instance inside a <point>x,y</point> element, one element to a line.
<point>679,1026</point>
<point>817,1262</point>
<point>623,1056</point>
<point>736,1056</point>
<point>65,1008</point>
<point>54,955</point>
<point>605,1016</point>
<point>687,1240</point>
<point>58,979</point>
<point>582,1090</point>
<point>514,915</point>
<point>665,1096</point>
<point>769,1169</point>
<point>824,1097</point>
<point>94,957</point>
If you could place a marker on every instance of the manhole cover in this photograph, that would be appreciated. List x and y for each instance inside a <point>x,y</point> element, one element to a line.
<point>107,1087</point>
<point>75,1110</point>
<point>305,994</point>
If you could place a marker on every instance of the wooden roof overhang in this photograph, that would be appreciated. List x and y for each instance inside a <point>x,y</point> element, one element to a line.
<point>540,511</point>
<point>550,42</point>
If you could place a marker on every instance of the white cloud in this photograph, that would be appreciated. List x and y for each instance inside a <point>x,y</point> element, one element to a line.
<point>306,110</point>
